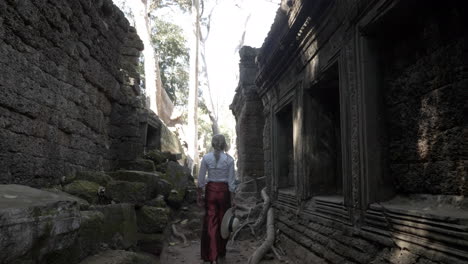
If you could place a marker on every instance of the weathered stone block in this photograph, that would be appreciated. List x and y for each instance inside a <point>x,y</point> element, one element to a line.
<point>178,175</point>
<point>127,192</point>
<point>157,156</point>
<point>120,225</point>
<point>84,205</point>
<point>91,234</point>
<point>84,189</point>
<point>35,223</point>
<point>157,202</point>
<point>149,178</point>
<point>98,177</point>
<point>152,219</point>
<point>138,165</point>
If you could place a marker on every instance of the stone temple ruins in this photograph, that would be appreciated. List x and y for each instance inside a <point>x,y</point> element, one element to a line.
<point>355,113</point>
<point>352,116</point>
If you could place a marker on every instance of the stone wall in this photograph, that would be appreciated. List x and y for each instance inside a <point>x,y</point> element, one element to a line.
<point>248,110</point>
<point>425,92</point>
<point>68,89</point>
<point>400,68</point>
<point>315,240</point>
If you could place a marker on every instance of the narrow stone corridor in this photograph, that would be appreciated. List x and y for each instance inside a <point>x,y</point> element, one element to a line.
<point>349,143</point>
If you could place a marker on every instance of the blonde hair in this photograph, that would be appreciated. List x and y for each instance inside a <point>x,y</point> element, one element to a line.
<point>218,142</point>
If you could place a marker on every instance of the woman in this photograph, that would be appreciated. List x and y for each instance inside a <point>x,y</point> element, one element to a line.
<point>219,187</point>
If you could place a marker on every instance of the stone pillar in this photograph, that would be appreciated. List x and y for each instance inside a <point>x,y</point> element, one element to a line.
<point>248,111</point>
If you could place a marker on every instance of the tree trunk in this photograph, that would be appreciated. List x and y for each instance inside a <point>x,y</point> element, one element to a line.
<point>192,135</point>
<point>143,27</point>
<point>213,112</point>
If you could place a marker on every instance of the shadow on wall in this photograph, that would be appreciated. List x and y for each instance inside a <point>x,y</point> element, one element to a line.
<point>424,79</point>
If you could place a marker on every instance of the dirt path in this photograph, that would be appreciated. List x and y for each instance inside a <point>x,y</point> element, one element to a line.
<point>178,253</point>
<point>239,253</point>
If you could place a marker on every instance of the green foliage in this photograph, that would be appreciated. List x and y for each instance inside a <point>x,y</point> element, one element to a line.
<point>171,48</point>
<point>184,5</point>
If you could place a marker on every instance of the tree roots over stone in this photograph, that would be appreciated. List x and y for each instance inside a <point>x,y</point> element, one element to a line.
<point>255,226</point>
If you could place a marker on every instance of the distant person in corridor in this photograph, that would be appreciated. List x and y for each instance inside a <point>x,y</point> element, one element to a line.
<point>219,187</point>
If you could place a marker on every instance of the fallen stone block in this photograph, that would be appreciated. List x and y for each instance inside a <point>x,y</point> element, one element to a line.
<point>158,157</point>
<point>91,232</point>
<point>138,165</point>
<point>120,227</point>
<point>98,177</point>
<point>84,189</point>
<point>127,192</point>
<point>35,223</point>
<point>179,176</point>
<point>149,178</point>
<point>157,202</point>
<point>84,205</point>
<point>152,219</point>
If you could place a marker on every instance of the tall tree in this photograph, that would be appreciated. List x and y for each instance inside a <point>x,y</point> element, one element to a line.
<point>173,53</point>
<point>140,9</point>
<point>206,24</point>
<point>193,91</point>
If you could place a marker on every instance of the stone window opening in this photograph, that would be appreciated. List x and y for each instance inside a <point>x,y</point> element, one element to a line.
<point>284,149</point>
<point>323,155</point>
<point>153,136</point>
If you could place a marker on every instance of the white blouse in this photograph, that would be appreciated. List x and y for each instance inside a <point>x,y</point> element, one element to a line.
<point>221,171</point>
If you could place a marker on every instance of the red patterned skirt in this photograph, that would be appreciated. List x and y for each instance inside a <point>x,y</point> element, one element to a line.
<point>217,201</point>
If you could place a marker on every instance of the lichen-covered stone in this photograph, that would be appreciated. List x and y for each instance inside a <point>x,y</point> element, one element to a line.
<point>84,189</point>
<point>152,219</point>
<point>120,226</point>
<point>35,223</point>
<point>91,232</point>
<point>157,156</point>
<point>127,192</point>
<point>181,181</point>
<point>84,205</point>
<point>98,177</point>
<point>157,202</point>
<point>178,175</point>
<point>149,178</point>
<point>138,165</point>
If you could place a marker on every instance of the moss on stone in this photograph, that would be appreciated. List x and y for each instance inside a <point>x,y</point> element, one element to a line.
<point>91,231</point>
<point>84,189</point>
<point>138,165</point>
<point>157,156</point>
<point>152,219</point>
<point>134,176</point>
<point>119,221</point>
<point>98,177</point>
<point>127,192</point>
<point>157,202</point>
